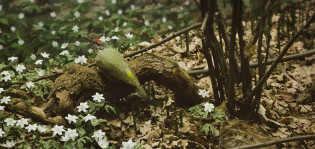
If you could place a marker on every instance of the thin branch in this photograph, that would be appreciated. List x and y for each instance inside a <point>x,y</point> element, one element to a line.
<point>204,23</point>
<point>269,143</point>
<point>197,4</point>
<point>254,65</point>
<point>38,79</point>
<point>165,40</point>
<point>278,60</point>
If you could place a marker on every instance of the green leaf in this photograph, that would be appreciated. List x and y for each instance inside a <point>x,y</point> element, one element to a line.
<point>96,122</point>
<point>110,109</point>
<point>83,140</point>
<point>81,131</point>
<point>219,116</point>
<point>206,128</point>
<point>4,21</point>
<point>197,112</point>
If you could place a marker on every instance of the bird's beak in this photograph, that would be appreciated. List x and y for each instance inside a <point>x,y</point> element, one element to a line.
<point>98,40</point>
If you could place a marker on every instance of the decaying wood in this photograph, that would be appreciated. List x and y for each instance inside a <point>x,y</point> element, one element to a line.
<point>35,112</point>
<point>166,72</point>
<point>79,83</point>
<point>274,142</point>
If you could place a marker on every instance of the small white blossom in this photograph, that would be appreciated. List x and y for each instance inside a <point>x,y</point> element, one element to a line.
<point>7,77</point>
<point>98,135</point>
<point>41,72</point>
<point>129,145</point>
<point>100,18</point>
<point>116,29</point>
<point>65,138</point>
<point>89,117</point>
<point>1,90</point>
<point>33,56</point>
<point>98,97</point>
<point>41,24</point>
<point>72,133</point>
<point>2,108</point>
<point>0,7</point>
<point>53,32</point>
<point>64,52</point>
<point>103,143</point>
<point>31,127</point>
<point>107,12</point>
<point>204,93</point>
<point>10,121</point>
<point>21,16</point>
<point>75,28</point>
<point>5,73</point>
<point>77,14</point>
<point>115,38</point>
<point>38,62</point>
<point>82,107</point>
<point>81,59</point>
<point>32,1</point>
<point>80,1</point>
<point>5,99</point>
<point>120,11</point>
<point>64,45</point>
<point>29,84</point>
<point>170,27</point>
<point>9,144</point>
<point>187,3</point>
<point>164,19</point>
<point>20,68</point>
<point>44,55</point>
<point>1,132</point>
<point>21,42</point>
<point>114,1</point>
<point>53,14</point>
<point>57,130</point>
<point>90,50</point>
<point>71,118</point>
<point>42,128</point>
<point>12,28</point>
<point>104,39</point>
<point>132,6</point>
<point>208,107</point>
<point>128,35</point>
<point>21,122</point>
<point>54,44</point>
<point>146,23</point>
<point>77,43</point>
<point>12,58</point>
<point>125,24</point>
<point>1,46</point>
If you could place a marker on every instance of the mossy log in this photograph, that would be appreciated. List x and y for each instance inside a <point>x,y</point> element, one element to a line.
<point>79,83</point>
<point>167,72</point>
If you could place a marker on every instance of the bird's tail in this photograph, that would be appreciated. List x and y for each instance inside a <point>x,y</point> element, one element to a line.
<point>142,92</point>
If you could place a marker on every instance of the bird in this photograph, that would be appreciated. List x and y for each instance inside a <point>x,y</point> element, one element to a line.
<point>113,65</point>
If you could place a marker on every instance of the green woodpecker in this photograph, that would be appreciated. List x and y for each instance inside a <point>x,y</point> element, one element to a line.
<point>116,67</point>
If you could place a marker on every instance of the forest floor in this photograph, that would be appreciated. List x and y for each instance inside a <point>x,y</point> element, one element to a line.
<point>287,104</point>
<point>287,101</point>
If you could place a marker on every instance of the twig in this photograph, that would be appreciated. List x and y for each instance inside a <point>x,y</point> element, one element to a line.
<point>197,4</point>
<point>254,65</point>
<point>38,79</point>
<point>165,40</point>
<point>278,60</point>
<point>269,143</point>
<point>204,23</point>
